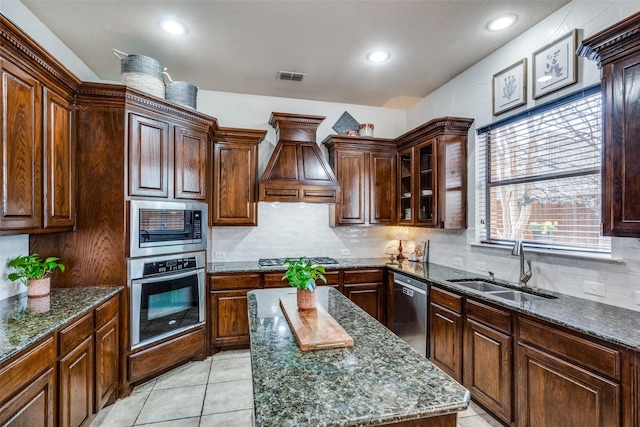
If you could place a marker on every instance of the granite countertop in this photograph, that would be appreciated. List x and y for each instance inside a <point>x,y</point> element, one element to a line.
<point>613,324</point>
<point>23,321</point>
<point>379,380</point>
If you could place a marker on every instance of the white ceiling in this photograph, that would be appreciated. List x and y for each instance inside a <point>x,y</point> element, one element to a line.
<point>239,46</point>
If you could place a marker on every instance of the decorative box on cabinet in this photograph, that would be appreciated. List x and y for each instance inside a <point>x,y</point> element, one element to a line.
<point>366,170</point>
<point>432,174</point>
<point>617,50</point>
<point>37,138</point>
<point>235,170</point>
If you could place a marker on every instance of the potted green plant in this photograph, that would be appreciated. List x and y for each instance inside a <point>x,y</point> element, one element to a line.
<point>543,231</point>
<point>302,275</point>
<point>34,272</point>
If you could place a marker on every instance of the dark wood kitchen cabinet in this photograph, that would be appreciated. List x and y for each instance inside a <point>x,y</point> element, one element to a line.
<point>564,379</point>
<point>235,171</point>
<point>166,160</point>
<point>366,171</point>
<point>107,353</point>
<point>446,331</point>
<point>229,322</point>
<point>432,174</point>
<point>37,138</point>
<point>617,50</point>
<point>76,373</point>
<point>366,288</point>
<point>488,357</point>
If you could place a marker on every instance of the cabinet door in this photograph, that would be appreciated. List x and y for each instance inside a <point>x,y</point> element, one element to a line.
<point>553,392</point>
<point>76,386</point>
<point>426,193</point>
<point>488,367</point>
<point>230,318</point>
<point>234,184</point>
<point>445,340</point>
<point>406,214</point>
<point>452,182</point>
<point>33,406</point>
<point>148,157</point>
<point>382,188</point>
<point>190,164</point>
<point>351,174</point>
<point>621,161</point>
<point>107,357</point>
<point>59,192</point>
<point>369,297</point>
<point>21,149</point>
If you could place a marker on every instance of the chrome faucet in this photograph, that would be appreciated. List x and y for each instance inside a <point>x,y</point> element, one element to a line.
<point>518,250</point>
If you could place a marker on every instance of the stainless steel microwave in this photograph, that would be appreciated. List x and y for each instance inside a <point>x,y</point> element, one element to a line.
<point>163,227</point>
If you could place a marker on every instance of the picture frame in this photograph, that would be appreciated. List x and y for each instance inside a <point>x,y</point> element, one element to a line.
<point>510,87</point>
<point>555,66</point>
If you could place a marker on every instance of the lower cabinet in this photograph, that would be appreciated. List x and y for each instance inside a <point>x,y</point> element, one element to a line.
<point>488,355</point>
<point>445,331</point>
<point>366,288</point>
<point>76,385</point>
<point>107,353</point>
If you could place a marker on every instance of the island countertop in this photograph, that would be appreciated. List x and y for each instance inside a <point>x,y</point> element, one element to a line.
<point>380,380</point>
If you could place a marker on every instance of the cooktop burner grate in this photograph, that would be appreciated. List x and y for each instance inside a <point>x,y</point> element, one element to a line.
<point>275,262</point>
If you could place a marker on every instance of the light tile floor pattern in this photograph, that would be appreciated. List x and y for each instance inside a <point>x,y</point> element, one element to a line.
<point>216,392</point>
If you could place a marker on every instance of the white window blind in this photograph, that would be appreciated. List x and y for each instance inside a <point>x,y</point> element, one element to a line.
<point>539,177</point>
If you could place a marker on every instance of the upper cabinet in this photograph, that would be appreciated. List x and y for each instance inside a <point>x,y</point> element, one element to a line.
<point>166,159</point>
<point>235,170</point>
<point>366,171</point>
<point>617,50</point>
<point>432,174</point>
<point>37,137</point>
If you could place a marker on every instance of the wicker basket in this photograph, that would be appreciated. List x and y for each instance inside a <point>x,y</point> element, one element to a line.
<point>182,93</point>
<point>141,72</point>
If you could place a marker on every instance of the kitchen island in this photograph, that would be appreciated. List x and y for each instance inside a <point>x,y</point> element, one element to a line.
<point>378,381</point>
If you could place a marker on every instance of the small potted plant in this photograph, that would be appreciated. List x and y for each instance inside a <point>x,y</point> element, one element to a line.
<point>34,272</point>
<point>543,231</point>
<point>302,275</point>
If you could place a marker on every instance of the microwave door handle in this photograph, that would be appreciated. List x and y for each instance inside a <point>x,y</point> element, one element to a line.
<point>167,276</point>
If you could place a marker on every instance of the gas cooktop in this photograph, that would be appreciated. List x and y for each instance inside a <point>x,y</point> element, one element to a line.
<point>275,262</point>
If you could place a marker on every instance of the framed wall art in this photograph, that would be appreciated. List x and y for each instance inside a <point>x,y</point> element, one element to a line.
<point>556,65</point>
<point>510,87</point>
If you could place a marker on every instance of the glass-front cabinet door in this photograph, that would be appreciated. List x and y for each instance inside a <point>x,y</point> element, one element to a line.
<point>405,187</point>
<point>426,189</point>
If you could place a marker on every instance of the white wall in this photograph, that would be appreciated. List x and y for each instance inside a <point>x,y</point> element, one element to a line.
<point>470,95</point>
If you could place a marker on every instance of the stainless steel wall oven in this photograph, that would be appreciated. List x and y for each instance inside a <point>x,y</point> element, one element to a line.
<point>167,295</point>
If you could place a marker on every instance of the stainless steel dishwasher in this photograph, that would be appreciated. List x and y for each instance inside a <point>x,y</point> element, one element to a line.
<point>410,311</point>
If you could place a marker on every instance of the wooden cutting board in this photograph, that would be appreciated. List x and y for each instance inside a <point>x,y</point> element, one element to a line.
<point>314,329</point>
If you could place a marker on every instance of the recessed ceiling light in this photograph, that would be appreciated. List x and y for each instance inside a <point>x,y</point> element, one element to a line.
<point>173,27</point>
<point>502,22</point>
<point>378,56</point>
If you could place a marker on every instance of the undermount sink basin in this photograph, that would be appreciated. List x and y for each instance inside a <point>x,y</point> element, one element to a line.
<point>481,285</point>
<point>500,291</point>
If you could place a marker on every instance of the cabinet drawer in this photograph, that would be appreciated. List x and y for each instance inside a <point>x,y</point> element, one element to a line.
<point>589,354</point>
<point>25,368</point>
<point>235,281</point>
<point>71,336</point>
<point>364,276</point>
<point>490,316</point>
<point>273,280</point>
<point>106,312</point>
<point>446,299</point>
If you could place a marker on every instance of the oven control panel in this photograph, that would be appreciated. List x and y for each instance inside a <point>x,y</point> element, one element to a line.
<point>169,265</point>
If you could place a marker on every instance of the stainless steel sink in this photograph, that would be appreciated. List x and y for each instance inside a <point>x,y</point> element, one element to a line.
<point>517,296</point>
<point>481,285</point>
<point>505,292</point>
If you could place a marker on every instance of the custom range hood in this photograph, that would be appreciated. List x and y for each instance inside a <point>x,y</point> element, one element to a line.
<point>297,170</point>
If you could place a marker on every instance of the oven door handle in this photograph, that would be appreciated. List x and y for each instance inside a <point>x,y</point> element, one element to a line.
<point>167,276</point>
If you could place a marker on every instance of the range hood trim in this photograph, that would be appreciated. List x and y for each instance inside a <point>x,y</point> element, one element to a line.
<point>296,135</point>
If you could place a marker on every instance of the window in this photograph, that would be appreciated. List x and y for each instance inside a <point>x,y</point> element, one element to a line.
<point>539,176</point>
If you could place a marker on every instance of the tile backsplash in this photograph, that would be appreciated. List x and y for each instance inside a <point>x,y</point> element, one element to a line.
<point>11,247</point>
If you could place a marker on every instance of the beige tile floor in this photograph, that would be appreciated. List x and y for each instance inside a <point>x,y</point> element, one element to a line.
<point>216,392</point>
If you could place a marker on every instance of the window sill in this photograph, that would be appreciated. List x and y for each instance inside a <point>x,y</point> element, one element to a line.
<point>600,257</point>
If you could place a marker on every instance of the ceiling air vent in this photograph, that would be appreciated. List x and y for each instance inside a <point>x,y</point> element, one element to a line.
<point>291,76</point>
